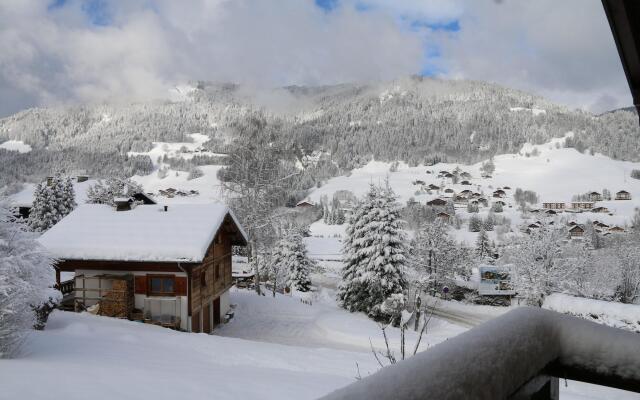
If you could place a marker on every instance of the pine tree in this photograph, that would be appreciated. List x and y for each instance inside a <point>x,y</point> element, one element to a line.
<point>374,254</point>
<point>475,223</point>
<point>483,246</point>
<point>52,202</point>
<point>290,256</point>
<point>68,202</point>
<point>25,276</point>
<point>44,213</point>
<point>103,192</point>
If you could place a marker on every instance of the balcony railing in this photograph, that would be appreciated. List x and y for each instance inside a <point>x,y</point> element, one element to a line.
<point>518,355</point>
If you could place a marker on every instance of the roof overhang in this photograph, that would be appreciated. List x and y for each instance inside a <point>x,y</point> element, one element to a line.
<point>624,20</point>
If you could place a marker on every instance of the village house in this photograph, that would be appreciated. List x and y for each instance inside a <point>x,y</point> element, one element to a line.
<point>616,229</point>
<point>437,203</point>
<point>502,203</point>
<point>433,187</point>
<point>168,265</point>
<point>554,206</point>
<point>443,216</point>
<point>623,195</point>
<point>466,183</point>
<point>466,192</point>
<point>499,193</point>
<point>304,204</point>
<point>582,205</point>
<point>576,232</point>
<point>603,210</point>
<point>506,188</point>
<point>594,196</point>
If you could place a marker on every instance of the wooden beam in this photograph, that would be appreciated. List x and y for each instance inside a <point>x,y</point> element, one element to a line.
<point>624,20</point>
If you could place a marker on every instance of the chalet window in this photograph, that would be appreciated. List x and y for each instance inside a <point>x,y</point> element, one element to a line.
<point>161,285</point>
<point>217,271</point>
<point>203,278</point>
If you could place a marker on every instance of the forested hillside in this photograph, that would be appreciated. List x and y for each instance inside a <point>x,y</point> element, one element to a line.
<point>417,120</point>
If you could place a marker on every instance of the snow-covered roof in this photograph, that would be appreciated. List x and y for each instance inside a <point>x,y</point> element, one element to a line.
<point>145,233</point>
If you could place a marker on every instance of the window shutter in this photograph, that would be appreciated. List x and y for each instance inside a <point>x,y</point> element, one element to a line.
<point>181,286</point>
<point>141,285</point>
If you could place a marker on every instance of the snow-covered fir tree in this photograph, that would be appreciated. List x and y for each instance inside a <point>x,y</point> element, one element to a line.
<point>104,191</point>
<point>290,256</point>
<point>25,277</point>
<point>475,223</point>
<point>53,200</point>
<point>484,250</point>
<point>374,254</point>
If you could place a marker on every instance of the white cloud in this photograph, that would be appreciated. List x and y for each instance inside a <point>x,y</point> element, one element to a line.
<point>54,56</point>
<point>560,49</point>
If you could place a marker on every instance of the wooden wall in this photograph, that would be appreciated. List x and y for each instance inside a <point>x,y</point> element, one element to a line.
<point>205,285</point>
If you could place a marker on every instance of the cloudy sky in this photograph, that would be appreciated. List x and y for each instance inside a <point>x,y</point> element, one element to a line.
<point>71,51</point>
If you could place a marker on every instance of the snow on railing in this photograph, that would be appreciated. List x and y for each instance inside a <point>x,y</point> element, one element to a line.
<point>496,359</point>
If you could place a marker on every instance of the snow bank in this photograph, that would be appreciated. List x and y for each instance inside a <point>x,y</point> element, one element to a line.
<point>493,360</point>
<point>618,315</point>
<point>145,233</point>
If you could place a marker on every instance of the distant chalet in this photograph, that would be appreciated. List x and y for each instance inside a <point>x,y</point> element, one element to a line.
<point>623,195</point>
<point>171,263</point>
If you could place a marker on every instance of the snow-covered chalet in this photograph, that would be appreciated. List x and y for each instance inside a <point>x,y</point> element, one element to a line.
<point>166,265</point>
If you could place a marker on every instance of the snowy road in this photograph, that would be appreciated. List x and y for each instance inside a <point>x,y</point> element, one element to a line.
<point>461,318</point>
<point>288,321</point>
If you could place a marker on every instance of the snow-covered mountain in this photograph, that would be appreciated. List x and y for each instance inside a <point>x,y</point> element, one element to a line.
<point>416,120</point>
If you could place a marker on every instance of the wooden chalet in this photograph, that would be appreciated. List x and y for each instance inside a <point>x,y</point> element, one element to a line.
<point>466,183</point>
<point>595,196</point>
<point>437,202</point>
<point>623,195</point>
<point>305,204</point>
<point>603,210</point>
<point>433,187</point>
<point>551,212</point>
<point>465,175</point>
<point>499,193</point>
<point>166,265</point>
<point>466,192</point>
<point>582,205</point>
<point>443,216</point>
<point>554,205</point>
<point>616,229</point>
<point>576,231</point>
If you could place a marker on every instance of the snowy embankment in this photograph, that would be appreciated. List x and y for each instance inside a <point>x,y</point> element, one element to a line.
<point>618,315</point>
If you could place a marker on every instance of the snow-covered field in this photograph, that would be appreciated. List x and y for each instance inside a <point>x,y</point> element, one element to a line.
<point>554,172</point>
<point>273,349</point>
<point>16,145</point>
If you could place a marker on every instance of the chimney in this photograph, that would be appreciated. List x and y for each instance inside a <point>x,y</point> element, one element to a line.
<point>166,208</point>
<point>122,204</point>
